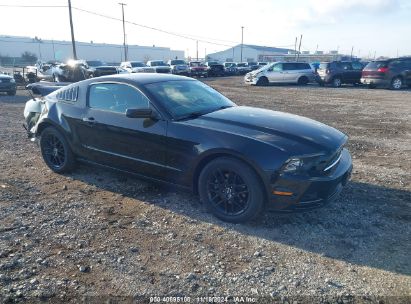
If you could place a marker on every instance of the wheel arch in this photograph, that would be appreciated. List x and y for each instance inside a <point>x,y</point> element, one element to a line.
<point>206,159</point>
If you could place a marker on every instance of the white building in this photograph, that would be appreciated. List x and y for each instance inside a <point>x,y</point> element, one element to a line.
<point>62,50</point>
<point>250,53</point>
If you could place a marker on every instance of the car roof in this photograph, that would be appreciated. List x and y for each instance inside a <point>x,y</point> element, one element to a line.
<point>140,78</point>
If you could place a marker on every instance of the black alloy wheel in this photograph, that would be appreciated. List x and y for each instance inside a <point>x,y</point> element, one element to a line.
<point>231,190</point>
<point>56,151</point>
<point>303,80</point>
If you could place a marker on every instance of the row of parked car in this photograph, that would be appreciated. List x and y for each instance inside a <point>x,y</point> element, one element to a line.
<point>392,73</point>
<point>76,70</point>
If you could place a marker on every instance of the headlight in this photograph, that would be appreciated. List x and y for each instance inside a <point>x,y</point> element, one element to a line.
<point>12,80</point>
<point>293,165</point>
<point>301,164</point>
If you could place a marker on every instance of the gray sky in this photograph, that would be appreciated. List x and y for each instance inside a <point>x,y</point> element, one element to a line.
<point>381,26</point>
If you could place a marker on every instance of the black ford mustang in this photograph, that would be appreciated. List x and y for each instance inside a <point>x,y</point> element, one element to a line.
<point>177,130</point>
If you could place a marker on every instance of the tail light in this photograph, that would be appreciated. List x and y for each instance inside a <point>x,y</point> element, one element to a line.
<point>383,70</point>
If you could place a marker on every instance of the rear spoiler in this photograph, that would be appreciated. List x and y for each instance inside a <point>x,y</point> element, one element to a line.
<point>44,88</point>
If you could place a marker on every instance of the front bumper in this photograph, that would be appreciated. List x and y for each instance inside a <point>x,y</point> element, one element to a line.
<point>250,80</point>
<point>310,192</point>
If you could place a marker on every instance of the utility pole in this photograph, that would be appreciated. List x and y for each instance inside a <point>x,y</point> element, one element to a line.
<point>124,32</point>
<point>242,37</point>
<point>352,50</point>
<point>197,49</point>
<point>54,52</point>
<point>299,47</point>
<point>73,42</point>
<point>295,48</point>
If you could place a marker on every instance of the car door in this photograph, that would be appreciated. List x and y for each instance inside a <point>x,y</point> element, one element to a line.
<point>275,73</point>
<point>290,72</point>
<point>348,72</point>
<point>111,138</point>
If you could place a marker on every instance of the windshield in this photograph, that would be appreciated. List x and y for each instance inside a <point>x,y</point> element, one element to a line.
<point>188,97</point>
<point>174,62</point>
<point>196,64</point>
<point>229,64</point>
<point>95,63</point>
<point>137,64</point>
<point>157,63</point>
<point>242,64</point>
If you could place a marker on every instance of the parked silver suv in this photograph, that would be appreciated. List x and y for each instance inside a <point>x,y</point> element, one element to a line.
<point>282,72</point>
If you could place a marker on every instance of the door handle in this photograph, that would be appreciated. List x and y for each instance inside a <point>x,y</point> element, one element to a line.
<point>89,120</point>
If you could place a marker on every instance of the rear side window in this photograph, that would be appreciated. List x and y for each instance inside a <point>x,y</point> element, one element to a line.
<point>344,66</point>
<point>289,66</point>
<point>116,97</point>
<point>357,66</point>
<point>376,65</point>
<point>304,66</point>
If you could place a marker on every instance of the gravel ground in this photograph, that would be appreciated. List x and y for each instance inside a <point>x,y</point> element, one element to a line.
<point>95,234</point>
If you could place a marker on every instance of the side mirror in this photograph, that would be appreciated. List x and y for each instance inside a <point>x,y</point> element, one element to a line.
<point>140,113</point>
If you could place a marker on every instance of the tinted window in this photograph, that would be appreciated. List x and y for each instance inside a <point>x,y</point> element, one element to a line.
<point>137,64</point>
<point>116,97</point>
<point>157,63</point>
<point>398,64</point>
<point>182,98</point>
<point>289,66</point>
<point>174,62</point>
<point>357,66</point>
<point>377,64</point>
<point>303,66</point>
<point>345,65</point>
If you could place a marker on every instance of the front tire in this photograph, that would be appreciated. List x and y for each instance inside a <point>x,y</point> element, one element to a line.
<point>56,151</point>
<point>231,190</point>
<point>337,82</point>
<point>396,83</point>
<point>262,81</point>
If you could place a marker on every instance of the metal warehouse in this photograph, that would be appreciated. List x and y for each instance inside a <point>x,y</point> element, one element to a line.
<point>45,50</point>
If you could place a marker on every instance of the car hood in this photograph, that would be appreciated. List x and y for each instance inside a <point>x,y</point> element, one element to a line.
<point>285,131</point>
<point>160,66</point>
<point>4,76</point>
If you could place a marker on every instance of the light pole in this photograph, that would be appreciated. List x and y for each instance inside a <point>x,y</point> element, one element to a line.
<point>242,40</point>
<point>124,32</point>
<point>73,42</point>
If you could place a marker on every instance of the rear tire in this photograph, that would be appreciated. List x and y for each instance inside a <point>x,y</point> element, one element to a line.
<point>56,151</point>
<point>337,82</point>
<point>396,83</point>
<point>231,190</point>
<point>302,80</point>
<point>262,81</point>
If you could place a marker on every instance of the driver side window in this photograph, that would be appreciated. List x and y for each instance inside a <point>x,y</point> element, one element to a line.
<point>116,97</point>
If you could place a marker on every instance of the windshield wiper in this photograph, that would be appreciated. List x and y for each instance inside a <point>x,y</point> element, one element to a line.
<point>193,115</point>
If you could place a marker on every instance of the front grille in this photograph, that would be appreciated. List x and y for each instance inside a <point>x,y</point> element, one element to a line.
<point>326,165</point>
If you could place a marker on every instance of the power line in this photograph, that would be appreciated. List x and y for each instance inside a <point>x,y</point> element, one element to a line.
<point>185,36</point>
